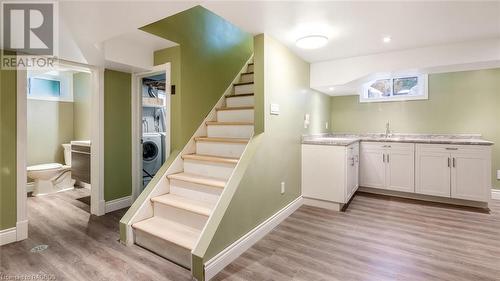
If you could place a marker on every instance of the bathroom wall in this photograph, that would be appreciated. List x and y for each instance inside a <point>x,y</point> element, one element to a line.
<point>459,102</point>
<point>8,203</point>
<point>82,88</point>
<point>50,124</point>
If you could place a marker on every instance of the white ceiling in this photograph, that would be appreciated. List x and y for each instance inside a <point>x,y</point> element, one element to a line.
<point>355,28</point>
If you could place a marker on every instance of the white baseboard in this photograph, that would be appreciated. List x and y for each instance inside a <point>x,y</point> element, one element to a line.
<point>224,258</point>
<point>495,194</point>
<point>21,230</point>
<point>8,235</point>
<point>118,204</point>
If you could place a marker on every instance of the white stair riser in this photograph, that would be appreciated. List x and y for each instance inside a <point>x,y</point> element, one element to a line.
<point>163,248</point>
<point>240,101</point>
<point>240,115</point>
<point>209,169</point>
<point>250,68</point>
<point>178,215</point>
<point>230,131</point>
<point>243,89</point>
<point>246,78</point>
<point>195,191</point>
<point>223,149</point>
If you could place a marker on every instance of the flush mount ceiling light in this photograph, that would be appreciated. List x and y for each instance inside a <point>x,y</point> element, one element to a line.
<point>331,88</point>
<point>387,39</point>
<point>311,42</point>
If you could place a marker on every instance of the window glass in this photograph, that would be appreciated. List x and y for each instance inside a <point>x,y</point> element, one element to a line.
<point>405,86</point>
<point>380,88</point>
<point>39,87</point>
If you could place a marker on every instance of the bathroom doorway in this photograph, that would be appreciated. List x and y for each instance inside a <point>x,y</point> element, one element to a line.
<point>47,139</point>
<point>151,104</point>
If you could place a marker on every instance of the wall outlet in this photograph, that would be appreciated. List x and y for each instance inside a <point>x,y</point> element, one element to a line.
<point>498,174</point>
<point>306,120</point>
<point>282,187</point>
<point>326,125</point>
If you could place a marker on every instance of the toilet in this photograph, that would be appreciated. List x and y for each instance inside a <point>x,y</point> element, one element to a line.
<point>52,177</point>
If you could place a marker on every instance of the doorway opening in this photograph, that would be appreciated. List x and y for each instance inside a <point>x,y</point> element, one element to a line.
<point>151,117</point>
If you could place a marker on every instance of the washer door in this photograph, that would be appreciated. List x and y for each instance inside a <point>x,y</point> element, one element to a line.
<point>149,151</point>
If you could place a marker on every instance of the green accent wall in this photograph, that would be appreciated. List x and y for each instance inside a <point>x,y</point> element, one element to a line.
<point>82,93</point>
<point>49,124</point>
<point>213,52</point>
<point>117,135</point>
<point>459,102</point>
<point>258,196</point>
<point>8,103</point>
<point>173,56</point>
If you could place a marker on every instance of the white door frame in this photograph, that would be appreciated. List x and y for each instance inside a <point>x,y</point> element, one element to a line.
<point>97,136</point>
<point>137,123</point>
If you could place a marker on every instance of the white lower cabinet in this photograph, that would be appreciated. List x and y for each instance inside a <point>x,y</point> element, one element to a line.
<point>455,171</point>
<point>388,166</point>
<point>330,173</point>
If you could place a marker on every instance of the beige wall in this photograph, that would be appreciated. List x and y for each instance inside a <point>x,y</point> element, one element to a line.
<point>81,105</point>
<point>50,124</point>
<point>459,102</point>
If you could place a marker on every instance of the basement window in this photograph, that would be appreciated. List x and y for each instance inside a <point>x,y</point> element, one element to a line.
<point>395,88</point>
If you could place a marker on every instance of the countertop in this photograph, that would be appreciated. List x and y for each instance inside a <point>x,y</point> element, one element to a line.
<point>81,142</point>
<point>347,139</point>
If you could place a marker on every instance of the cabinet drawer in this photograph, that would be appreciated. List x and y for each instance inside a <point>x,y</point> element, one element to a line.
<point>387,145</point>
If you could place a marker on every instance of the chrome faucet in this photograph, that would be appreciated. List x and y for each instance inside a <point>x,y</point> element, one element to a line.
<point>388,130</point>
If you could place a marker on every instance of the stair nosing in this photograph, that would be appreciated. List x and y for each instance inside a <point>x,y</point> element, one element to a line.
<point>240,95</point>
<point>248,73</point>
<point>209,158</point>
<point>186,204</point>
<point>217,139</point>
<point>197,180</point>
<point>217,123</point>
<point>243,83</point>
<point>236,108</point>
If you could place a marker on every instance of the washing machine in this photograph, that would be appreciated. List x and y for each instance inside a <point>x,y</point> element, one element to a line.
<point>152,152</point>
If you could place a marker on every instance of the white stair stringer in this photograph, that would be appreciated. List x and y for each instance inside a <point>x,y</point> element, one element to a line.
<point>172,221</point>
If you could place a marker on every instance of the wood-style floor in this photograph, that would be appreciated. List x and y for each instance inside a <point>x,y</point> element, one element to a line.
<point>81,246</point>
<point>377,238</point>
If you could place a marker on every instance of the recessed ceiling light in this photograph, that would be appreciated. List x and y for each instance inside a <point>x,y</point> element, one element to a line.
<point>331,88</point>
<point>312,42</point>
<point>387,39</point>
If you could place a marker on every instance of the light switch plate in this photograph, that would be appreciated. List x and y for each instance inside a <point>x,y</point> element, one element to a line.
<point>275,109</point>
<point>282,187</point>
<point>498,174</point>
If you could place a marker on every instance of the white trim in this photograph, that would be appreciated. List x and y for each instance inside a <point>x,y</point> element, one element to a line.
<point>97,203</point>
<point>136,103</point>
<point>21,144</point>
<point>118,204</point>
<point>8,235</point>
<point>228,255</point>
<point>495,194</point>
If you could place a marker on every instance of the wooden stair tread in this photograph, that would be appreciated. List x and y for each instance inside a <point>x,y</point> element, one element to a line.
<point>176,233</point>
<point>243,83</point>
<point>230,123</point>
<point>240,95</point>
<point>215,182</point>
<point>180,202</point>
<point>235,108</point>
<point>230,140</point>
<point>209,158</point>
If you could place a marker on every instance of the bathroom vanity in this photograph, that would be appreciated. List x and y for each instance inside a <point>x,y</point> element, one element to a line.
<point>443,168</point>
<point>80,161</point>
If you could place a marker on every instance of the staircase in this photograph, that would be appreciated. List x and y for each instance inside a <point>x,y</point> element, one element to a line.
<point>180,215</point>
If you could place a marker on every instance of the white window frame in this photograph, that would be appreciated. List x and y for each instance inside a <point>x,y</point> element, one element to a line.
<point>66,88</point>
<point>422,83</point>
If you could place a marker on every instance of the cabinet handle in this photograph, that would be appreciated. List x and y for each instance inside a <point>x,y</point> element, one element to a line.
<point>451,148</point>
<point>388,158</point>
<point>449,162</point>
<point>454,162</point>
<point>383,157</point>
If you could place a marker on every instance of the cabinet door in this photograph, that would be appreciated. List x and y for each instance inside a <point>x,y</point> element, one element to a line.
<point>433,173</point>
<point>400,173</point>
<point>352,170</point>
<point>372,167</point>
<point>470,176</point>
